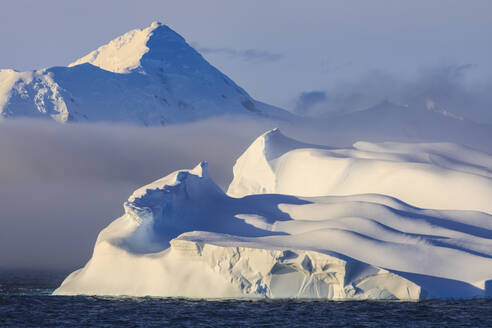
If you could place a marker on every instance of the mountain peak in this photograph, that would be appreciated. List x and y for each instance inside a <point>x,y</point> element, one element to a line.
<point>156,24</point>
<point>124,54</point>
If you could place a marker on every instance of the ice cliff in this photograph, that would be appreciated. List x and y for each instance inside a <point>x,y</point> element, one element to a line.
<point>306,221</point>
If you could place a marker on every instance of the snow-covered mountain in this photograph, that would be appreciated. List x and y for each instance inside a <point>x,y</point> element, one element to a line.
<point>183,236</point>
<point>149,76</point>
<point>153,77</point>
<point>417,122</point>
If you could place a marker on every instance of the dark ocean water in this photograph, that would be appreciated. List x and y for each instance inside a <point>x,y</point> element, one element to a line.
<point>25,301</point>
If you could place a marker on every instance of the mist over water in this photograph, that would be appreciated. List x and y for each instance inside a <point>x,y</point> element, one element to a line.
<point>61,184</point>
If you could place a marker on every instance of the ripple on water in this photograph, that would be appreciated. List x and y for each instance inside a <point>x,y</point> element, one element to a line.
<point>25,301</point>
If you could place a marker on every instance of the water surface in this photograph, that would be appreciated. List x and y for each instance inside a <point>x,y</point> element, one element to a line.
<point>26,301</point>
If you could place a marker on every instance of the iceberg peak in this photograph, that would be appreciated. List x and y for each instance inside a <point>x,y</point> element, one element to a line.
<point>271,132</point>
<point>274,144</point>
<point>258,158</point>
<point>269,145</point>
<point>201,170</point>
<point>198,175</point>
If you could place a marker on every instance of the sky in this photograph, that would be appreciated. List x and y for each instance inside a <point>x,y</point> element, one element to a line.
<point>277,50</point>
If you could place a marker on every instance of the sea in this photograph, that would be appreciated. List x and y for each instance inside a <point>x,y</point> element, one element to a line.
<point>26,301</point>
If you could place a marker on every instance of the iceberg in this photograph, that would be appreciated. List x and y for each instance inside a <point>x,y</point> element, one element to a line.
<point>375,221</point>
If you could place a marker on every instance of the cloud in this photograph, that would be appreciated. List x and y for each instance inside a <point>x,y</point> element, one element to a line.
<point>329,67</point>
<point>307,100</point>
<point>446,86</point>
<point>250,55</point>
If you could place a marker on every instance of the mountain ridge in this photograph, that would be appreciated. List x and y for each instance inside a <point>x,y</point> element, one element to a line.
<point>388,121</point>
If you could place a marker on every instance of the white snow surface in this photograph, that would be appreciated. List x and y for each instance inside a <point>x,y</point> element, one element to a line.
<point>350,225</point>
<point>148,77</point>
<point>123,54</point>
<point>431,175</point>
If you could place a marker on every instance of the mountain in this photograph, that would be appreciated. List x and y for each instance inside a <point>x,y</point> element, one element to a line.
<point>416,122</point>
<point>149,77</point>
<point>183,236</point>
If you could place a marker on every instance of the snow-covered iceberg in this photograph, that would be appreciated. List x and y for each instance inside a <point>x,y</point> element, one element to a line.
<point>430,175</point>
<point>327,236</point>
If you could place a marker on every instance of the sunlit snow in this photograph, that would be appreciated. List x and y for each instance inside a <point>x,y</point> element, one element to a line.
<point>376,221</point>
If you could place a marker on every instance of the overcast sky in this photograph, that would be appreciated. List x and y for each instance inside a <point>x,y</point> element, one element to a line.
<point>274,49</point>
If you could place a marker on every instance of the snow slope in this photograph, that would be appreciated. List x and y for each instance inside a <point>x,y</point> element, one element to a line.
<point>183,236</point>
<point>431,175</point>
<point>149,77</point>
